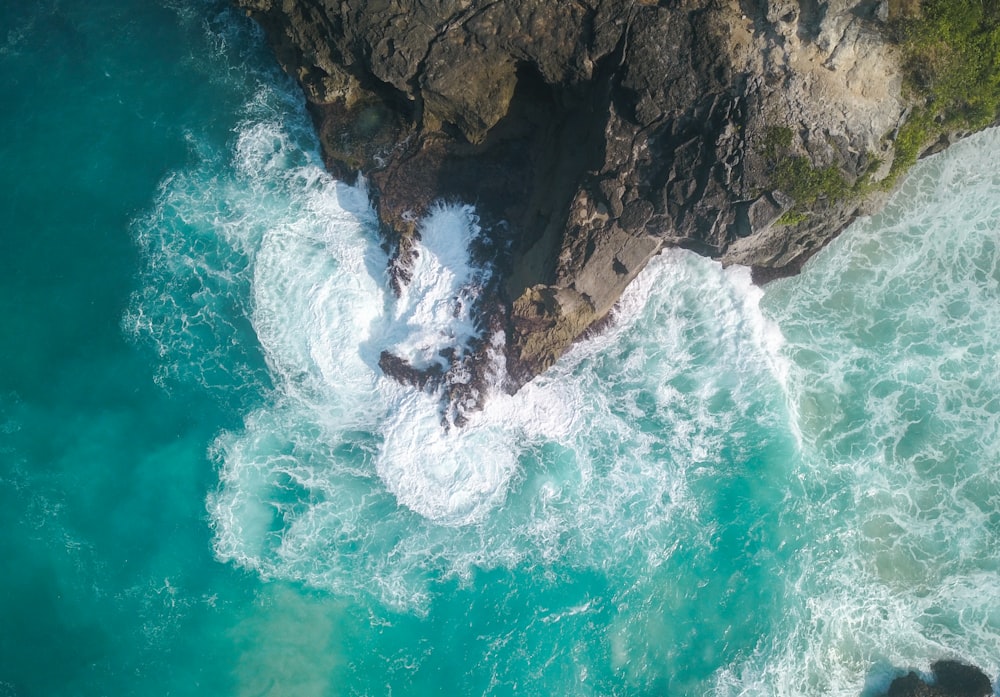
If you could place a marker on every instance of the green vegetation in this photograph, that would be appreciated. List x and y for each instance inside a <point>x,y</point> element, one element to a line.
<point>952,52</point>
<point>792,217</point>
<point>910,140</point>
<point>797,177</point>
<point>776,140</point>
<point>952,63</point>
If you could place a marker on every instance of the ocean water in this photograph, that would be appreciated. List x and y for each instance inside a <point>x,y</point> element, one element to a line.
<point>207,487</point>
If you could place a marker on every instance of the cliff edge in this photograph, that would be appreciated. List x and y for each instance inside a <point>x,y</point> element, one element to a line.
<point>592,133</point>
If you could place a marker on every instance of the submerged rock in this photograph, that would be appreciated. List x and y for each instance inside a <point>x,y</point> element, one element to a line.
<point>590,134</point>
<point>951,679</point>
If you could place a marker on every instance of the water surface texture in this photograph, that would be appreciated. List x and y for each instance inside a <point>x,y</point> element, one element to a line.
<point>207,486</point>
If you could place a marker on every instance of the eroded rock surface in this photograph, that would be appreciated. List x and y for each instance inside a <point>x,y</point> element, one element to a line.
<point>592,133</point>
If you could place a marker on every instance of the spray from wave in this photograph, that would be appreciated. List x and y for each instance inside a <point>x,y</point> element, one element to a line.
<point>768,512</point>
<point>343,474</point>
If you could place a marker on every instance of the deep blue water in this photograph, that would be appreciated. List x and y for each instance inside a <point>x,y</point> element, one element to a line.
<point>206,486</point>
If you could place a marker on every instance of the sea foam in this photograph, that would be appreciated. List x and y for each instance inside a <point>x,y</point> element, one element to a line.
<point>341,474</point>
<point>893,380</point>
<point>833,456</point>
<point>729,491</point>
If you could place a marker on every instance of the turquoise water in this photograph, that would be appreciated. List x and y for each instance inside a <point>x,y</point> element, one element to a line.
<point>208,488</point>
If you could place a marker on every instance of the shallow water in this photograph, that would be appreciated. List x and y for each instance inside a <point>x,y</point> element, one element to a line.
<point>210,488</point>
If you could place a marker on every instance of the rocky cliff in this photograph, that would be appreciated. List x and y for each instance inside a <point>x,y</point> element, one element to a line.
<point>949,679</point>
<point>592,133</point>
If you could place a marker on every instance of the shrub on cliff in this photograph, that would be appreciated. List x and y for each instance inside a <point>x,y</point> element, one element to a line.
<point>952,64</point>
<point>952,52</point>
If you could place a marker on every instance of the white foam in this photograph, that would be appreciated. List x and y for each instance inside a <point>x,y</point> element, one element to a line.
<point>344,479</point>
<point>435,309</point>
<point>891,337</point>
<point>451,476</point>
<point>605,488</point>
<point>315,304</point>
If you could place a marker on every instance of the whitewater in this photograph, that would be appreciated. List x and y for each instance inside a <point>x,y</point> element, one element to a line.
<point>731,490</point>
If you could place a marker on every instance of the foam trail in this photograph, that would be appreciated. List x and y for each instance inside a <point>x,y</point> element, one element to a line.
<point>892,336</point>
<point>340,444</point>
<point>787,493</point>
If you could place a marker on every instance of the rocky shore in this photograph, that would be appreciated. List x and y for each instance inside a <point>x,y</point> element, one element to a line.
<point>950,679</point>
<point>590,134</point>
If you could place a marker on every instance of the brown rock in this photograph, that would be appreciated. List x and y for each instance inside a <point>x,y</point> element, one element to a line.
<point>591,134</point>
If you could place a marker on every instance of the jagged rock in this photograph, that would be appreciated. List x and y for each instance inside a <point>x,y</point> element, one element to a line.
<point>598,131</point>
<point>402,371</point>
<point>951,679</point>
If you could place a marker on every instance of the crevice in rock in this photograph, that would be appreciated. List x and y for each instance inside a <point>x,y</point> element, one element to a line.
<point>568,144</point>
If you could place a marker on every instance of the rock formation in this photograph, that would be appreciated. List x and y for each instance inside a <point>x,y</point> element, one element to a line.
<point>951,679</point>
<point>592,133</point>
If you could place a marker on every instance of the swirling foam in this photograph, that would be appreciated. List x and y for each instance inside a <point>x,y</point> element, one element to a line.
<point>857,442</point>
<point>349,481</point>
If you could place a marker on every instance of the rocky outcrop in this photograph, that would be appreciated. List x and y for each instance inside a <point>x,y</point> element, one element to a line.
<point>592,133</point>
<point>951,679</point>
